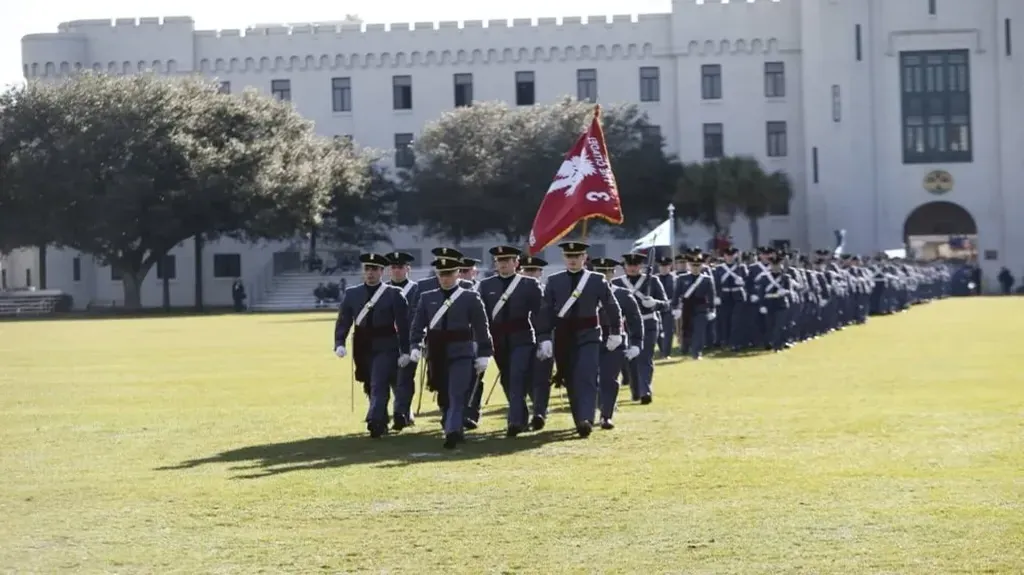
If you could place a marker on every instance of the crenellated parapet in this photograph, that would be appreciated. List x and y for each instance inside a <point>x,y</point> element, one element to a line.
<point>172,45</point>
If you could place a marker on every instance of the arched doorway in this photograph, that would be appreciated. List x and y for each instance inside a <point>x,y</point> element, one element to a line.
<point>941,229</point>
<point>940,219</point>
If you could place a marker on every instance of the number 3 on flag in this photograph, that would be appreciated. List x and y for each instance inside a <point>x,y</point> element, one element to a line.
<point>598,197</point>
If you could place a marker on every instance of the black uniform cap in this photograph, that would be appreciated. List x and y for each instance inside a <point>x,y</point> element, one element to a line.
<point>604,264</point>
<point>532,262</point>
<point>505,251</point>
<point>634,259</point>
<point>400,258</point>
<point>574,248</point>
<point>376,260</point>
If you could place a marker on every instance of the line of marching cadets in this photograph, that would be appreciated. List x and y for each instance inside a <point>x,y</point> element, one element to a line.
<point>587,328</point>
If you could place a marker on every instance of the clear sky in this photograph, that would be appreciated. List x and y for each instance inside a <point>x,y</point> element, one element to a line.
<point>21,17</point>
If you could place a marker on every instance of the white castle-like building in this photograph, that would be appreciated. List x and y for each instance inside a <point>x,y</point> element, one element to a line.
<point>894,118</point>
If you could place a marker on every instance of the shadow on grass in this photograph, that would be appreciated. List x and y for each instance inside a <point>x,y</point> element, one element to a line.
<point>396,450</point>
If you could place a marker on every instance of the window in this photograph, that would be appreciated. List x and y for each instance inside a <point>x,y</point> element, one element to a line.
<point>586,85</point>
<point>167,267</point>
<point>774,80</point>
<point>341,94</point>
<point>404,156</point>
<point>281,89</point>
<point>1009,37</point>
<point>76,269</point>
<point>402,87</point>
<point>475,253</point>
<point>714,141</point>
<point>776,139</point>
<point>225,88</point>
<point>3,279</point>
<point>115,274</point>
<point>525,89</point>
<point>652,134</point>
<point>779,209</point>
<point>936,106</point>
<point>227,266</point>
<point>650,84</point>
<point>344,139</point>
<point>814,164</point>
<point>463,90</point>
<point>711,82</point>
<point>931,7</point>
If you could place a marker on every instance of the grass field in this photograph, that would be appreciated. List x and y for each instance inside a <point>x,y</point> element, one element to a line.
<point>226,444</point>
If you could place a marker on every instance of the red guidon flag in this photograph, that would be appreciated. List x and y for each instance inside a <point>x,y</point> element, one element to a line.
<point>583,188</point>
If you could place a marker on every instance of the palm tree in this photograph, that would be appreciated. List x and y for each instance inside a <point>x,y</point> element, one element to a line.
<point>706,193</point>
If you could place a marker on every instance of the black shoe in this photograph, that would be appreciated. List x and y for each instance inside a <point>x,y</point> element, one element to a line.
<point>452,440</point>
<point>584,429</point>
<point>377,429</point>
<point>607,423</point>
<point>470,424</point>
<point>646,400</point>
<point>513,430</point>
<point>399,423</point>
<point>537,423</point>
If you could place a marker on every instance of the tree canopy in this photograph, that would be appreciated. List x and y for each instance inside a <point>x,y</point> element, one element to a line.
<point>484,169</point>
<point>126,167</point>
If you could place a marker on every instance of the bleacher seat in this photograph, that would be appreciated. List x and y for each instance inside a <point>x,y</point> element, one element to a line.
<point>15,305</point>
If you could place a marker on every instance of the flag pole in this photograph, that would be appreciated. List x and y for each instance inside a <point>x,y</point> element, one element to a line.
<point>672,232</point>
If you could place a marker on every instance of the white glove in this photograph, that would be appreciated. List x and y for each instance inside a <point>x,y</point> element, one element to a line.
<point>340,351</point>
<point>481,364</point>
<point>403,360</point>
<point>677,313</point>
<point>711,316</point>
<point>823,303</point>
<point>763,310</point>
<point>632,352</point>
<point>545,351</point>
<point>614,341</point>
<point>415,355</point>
<point>718,301</point>
<point>648,302</point>
<point>754,298</point>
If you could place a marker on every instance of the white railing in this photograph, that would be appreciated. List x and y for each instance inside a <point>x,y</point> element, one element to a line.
<point>31,305</point>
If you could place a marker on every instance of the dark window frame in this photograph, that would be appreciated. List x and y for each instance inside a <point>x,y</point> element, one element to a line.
<point>586,85</point>
<point>463,89</point>
<point>776,139</point>
<point>714,140</point>
<point>281,89</point>
<point>650,84</point>
<point>935,106</point>
<point>167,263</point>
<point>711,82</point>
<point>405,158</point>
<point>774,79</point>
<point>526,81</point>
<point>231,261</point>
<point>341,94</point>
<point>401,92</point>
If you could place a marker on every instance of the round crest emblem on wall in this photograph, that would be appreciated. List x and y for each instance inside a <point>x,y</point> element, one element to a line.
<point>938,182</point>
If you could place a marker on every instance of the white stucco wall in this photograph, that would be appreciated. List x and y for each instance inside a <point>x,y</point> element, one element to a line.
<point>863,184</point>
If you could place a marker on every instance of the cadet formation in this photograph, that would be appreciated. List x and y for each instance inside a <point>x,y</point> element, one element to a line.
<point>589,330</point>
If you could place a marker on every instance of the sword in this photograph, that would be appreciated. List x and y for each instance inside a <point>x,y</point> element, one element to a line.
<point>352,385</point>
<point>423,382</point>
<point>491,392</point>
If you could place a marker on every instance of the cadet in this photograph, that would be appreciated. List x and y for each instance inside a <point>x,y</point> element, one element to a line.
<point>667,276</point>
<point>380,342</point>
<point>571,331</point>
<point>731,286</point>
<point>405,383</point>
<point>650,294</point>
<point>695,298</point>
<point>431,283</point>
<point>773,290</point>
<point>614,361</point>
<point>452,323</point>
<point>512,301</point>
<point>540,387</point>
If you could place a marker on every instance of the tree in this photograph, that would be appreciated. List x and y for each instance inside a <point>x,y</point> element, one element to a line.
<point>362,204</point>
<point>126,168</point>
<point>706,194</point>
<point>762,194</point>
<point>484,169</point>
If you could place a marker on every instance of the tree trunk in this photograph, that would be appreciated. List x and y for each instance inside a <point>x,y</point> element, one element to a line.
<point>198,259</point>
<point>755,231</point>
<point>167,293</point>
<point>132,283</point>
<point>42,267</point>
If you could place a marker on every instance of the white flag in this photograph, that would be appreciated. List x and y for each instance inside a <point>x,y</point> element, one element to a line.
<point>659,236</point>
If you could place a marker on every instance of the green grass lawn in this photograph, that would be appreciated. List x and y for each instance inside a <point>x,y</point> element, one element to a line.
<point>226,444</point>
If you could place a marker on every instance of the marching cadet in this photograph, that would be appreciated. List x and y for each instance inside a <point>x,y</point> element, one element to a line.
<point>512,301</point>
<point>731,286</point>
<point>452,323</point>
<point>468,273</point>
<point>667,277</point>
<point>468,270</point>
<point>695,299</point>
<point>571,331</point>
<point>405,383</point>
<point>379,315</point>
<point>773,293</point>
<point>614,361</point>
<point>432,283</point>
<point>539,389</point>
<point>650,294</point>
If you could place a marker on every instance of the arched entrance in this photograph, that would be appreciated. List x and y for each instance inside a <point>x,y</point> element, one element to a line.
<point>940,219</point>
<point>941,229</point>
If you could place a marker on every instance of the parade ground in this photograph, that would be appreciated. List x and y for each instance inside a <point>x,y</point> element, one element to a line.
<point>227,444</point>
